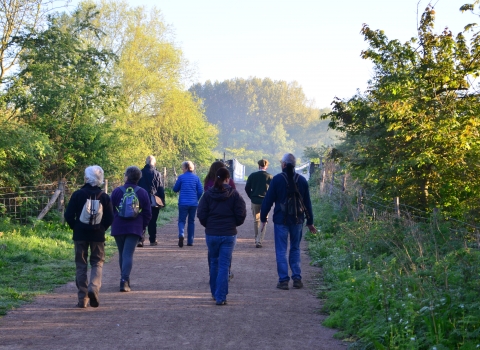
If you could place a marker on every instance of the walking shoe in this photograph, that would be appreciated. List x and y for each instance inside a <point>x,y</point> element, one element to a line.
<point>94,301</point>
<point>223,302</point>
<point>297,284</point>
<point>82,303</point>
<point>258,245</point>
<point>154,243</point>
<point>189,244</point>
<point>124,286</point>
<point>180,242</point>
<point>140,244</point>
<point>282,285</point>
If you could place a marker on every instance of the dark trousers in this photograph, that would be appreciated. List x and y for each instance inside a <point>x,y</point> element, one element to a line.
<point>97,257</point>
<point>152,225</point>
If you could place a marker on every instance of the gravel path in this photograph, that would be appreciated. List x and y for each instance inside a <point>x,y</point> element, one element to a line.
<point>170,306</point>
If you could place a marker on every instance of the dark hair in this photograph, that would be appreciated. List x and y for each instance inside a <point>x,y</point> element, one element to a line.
<point>133,174</point>
<point>220,176</point>
<point>213,170</point>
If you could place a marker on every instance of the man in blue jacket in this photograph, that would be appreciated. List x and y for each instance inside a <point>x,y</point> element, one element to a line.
<point>285,222</point>
<point>191,189</point>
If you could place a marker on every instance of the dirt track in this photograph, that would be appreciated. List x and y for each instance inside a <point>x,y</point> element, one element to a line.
<point>170,306</point>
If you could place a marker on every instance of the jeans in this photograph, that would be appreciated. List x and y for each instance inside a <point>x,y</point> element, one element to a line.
<point>281,243</point>
<point>183,212</point>
<point>97,258</point>
<point>152,225</point>
<point>220,249</point>
<point>126,247</point>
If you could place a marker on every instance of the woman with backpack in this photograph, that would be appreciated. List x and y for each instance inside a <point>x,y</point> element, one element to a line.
<point>131,216</point>
<point>220,211</point>
<point>89,214</point>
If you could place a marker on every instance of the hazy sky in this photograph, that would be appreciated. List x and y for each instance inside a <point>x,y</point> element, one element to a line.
<point>315,42</point>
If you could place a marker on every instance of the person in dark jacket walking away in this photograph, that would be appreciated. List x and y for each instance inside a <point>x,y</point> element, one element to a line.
<point>287,225</point>
<point>256,188</point>
<point>89,233</point>
<point>128,231</point>
<point>190,188</point>
<point>220,211</point>
<point>151,181</point>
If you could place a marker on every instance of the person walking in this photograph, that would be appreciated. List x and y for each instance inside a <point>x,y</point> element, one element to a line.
<point>288,222</point>
<point>89,233</point>
<point>209,180</point>
<point>220,211</point>
<point>256,188</point>
<point>128,229</point>
<point>151,181</point>
<point>190,188</point>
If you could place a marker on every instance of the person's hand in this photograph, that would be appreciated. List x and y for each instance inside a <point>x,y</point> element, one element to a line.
<point>262,226</point>
<point>312,229</point>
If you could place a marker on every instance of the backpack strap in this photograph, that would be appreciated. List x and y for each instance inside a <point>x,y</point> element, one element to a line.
<point>97,197</point>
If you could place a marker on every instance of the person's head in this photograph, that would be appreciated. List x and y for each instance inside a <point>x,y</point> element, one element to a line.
<point>188,166</point>
<point>288,162</point>
<point>263,164</point>
<point>221,176</point>
<point>133,174</point>
<point>213,170</point>
<point>94,175</point>
<point>151,160</point>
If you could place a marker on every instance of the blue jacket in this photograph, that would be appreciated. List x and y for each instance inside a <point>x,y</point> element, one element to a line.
<point>277,193</point>
<point>190,188</point>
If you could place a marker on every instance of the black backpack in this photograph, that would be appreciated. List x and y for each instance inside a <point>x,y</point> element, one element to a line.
<point>293,205</point>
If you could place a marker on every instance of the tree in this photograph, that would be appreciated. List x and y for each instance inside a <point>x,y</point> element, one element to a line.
<point>17,19</point>
<point>60,92</point>
<point>261,117</point>
<point>160,118</point>
<point>414,132</point>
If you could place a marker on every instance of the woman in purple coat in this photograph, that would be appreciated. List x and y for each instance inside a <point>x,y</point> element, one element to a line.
<point>128,231</point>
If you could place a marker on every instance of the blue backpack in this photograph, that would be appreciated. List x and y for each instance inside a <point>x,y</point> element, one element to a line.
<point>129,207</point>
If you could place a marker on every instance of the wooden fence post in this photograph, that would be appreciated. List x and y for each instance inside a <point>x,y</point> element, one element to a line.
<point>106,186</point>
<point>165,182</point>
<point>396,203</point>
<point>61,199</point>
<point>331,185</point>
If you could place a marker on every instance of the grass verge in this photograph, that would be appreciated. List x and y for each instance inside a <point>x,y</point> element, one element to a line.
<point>392,283</point>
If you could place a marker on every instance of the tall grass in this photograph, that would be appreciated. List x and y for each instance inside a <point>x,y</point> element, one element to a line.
<point>392,283</point>
<point>35,259</point>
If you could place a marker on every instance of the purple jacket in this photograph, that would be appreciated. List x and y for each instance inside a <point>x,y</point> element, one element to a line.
<point>135,226</point>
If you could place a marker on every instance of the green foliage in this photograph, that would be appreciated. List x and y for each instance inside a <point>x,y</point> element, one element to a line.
<point>61,92</point>
<point>414,133</point>
<point>396,284</point>
<point>24,154</point>
<point>261,118</point>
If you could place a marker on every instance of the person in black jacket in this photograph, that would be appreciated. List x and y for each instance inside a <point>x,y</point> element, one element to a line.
<point>220,210</point>
<point>89,232</point>
<point>151,181</point>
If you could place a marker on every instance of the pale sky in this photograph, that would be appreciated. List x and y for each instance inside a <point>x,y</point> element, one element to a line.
<point>315,42</point>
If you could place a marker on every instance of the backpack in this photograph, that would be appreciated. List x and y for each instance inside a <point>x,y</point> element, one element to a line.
<point>129,207</point>
<point>293,205</point>
<point>92,211</point>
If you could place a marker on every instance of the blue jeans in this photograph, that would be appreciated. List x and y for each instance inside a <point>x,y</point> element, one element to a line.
<point>220,250</point>
<point>183,212</point>
<point>281,243</point>
<point>126,247</point>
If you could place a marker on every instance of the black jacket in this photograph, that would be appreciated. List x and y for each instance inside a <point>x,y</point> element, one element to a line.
<point>85,232</point>
<point>151,181</point>
<point>220,212</point>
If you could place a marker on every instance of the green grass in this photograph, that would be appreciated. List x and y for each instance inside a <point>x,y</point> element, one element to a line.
<point>35,259</point>
<point>395,284</point>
